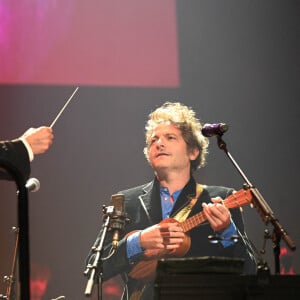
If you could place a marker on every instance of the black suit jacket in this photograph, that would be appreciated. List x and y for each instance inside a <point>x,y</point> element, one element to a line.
<point>14,160</point>
<point>143,206</point>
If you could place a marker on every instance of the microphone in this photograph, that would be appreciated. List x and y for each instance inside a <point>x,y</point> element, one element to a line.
<point>33,184</point>
<point>117,220</point>
<point>209,130</point>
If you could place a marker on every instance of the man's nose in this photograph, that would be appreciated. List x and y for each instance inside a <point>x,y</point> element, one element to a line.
<point>160,143</point>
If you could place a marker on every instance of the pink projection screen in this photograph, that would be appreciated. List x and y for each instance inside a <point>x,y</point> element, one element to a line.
<point>95,42</point>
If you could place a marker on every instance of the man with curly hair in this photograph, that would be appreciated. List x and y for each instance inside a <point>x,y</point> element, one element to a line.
<point>175,148</point>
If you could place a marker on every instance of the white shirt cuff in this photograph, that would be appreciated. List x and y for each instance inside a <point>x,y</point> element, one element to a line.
<point>28,147</point>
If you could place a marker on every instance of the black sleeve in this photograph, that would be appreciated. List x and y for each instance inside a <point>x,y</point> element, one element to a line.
<point>13,158</point>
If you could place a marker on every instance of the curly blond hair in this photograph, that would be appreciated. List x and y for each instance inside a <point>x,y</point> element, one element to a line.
<point>183,118</point>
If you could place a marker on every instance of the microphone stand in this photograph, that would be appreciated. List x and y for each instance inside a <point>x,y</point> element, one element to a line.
<point>10,280</point>
<point>264,210</point>
<point>23,227</point>
<point>97,262</point>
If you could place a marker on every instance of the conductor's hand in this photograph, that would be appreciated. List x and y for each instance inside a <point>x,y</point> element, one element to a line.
<point>166,236</point>
<point>217,214</point>
<point>40,139</point>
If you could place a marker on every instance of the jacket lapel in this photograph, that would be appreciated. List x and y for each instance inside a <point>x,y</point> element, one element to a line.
<point>150,202</point>
<point>145,201</point>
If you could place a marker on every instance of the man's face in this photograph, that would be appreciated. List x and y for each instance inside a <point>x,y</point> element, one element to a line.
<point>168,151</point>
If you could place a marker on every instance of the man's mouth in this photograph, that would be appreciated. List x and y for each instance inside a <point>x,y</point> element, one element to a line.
<point>162,154</point>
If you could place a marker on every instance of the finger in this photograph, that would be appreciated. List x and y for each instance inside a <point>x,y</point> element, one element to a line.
<point>168,227</point>
<point>216,219</point>
<point>172,234</point>
<point>211,220</point>
<point>172,241</point>
<point>216,210</point>
<point>219,211</point>
<point>171,246</point>
<point>217,200</point>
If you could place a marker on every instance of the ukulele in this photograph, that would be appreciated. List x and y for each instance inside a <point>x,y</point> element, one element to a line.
<point>145,270</point>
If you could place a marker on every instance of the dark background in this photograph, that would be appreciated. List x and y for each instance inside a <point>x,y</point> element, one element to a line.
<point>238,64</point>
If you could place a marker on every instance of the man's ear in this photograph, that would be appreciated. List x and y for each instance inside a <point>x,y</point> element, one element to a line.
<point>194,153</point>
